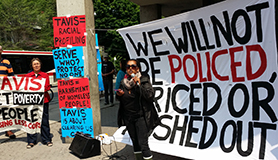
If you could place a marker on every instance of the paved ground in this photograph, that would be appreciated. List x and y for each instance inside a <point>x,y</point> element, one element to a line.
<point>15,149</point>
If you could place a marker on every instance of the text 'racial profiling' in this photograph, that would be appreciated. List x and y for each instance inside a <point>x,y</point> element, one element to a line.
<point>69,31</point>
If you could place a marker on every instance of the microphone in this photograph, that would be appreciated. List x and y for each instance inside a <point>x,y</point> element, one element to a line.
<point>133,75</point>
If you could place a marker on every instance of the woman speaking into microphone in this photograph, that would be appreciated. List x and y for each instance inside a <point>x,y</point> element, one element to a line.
<point>137,111</point>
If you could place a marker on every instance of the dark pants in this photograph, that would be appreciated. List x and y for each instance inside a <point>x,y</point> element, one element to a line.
<point>108,89</point>
<point>138,132</point>
<point>45,129</point>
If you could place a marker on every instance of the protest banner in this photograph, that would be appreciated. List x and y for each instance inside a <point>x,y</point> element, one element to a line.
<point>76,119</point>
<point>214,71</point>
<point>75,107</point>
<point>69,62</point>
<point>74,93</point>
<point>69,30</point>
<point>21,103</point>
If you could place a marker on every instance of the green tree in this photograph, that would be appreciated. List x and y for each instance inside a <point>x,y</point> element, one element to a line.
<point>27,24</point>
<point>47,10</point>
<point>111,15</point>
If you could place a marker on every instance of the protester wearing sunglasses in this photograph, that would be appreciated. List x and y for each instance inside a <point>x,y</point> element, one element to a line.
<point>133,66</point>
<point>137,111</point>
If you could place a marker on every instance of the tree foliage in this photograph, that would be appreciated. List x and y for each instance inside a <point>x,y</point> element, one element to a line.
<point>111,15</point>
<point>27,24</point>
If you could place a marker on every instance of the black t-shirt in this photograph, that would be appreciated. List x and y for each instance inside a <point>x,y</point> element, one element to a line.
<point>106,68</point>
<point>131,103</point>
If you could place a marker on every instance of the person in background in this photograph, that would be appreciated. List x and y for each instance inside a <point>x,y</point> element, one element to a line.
<point>107,75</point>
<point>6,69</point>
<point>120,74</point>
<point>45,129</point>
<point>136,110</point>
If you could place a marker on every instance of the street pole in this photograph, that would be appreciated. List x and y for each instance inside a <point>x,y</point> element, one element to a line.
<point>86,7</point>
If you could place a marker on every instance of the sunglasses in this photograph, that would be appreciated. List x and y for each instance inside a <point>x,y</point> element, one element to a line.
<point>133,66</point>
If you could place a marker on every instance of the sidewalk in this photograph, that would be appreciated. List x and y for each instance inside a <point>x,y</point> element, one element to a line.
<point>15,149</point>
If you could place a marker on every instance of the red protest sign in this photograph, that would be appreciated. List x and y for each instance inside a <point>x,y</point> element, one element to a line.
<point>74,93</point>
<point>69,31</point>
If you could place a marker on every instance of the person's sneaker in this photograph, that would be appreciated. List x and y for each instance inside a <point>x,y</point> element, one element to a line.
<point>106,103</point>
<point>10,134</point>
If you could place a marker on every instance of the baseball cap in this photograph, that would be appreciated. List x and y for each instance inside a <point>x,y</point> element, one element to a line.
<point>105,55</point>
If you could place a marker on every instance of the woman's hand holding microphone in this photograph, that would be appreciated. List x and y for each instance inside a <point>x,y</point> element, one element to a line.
<point>135,79</point>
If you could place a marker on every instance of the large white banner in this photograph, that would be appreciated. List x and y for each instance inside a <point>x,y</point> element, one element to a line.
<point>214,71</point>
<point>21,103</point>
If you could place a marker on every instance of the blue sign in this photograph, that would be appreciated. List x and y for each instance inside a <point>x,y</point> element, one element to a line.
<point>100,81</point>
<point>69,62</point>
<point>97,47</point>
<point>73,120</point>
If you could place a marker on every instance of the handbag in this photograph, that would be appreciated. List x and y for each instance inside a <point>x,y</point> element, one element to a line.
<point>85,146</point>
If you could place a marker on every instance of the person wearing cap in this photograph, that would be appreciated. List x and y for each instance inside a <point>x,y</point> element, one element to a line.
<point>6,70</point>
<point>107,76</point>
